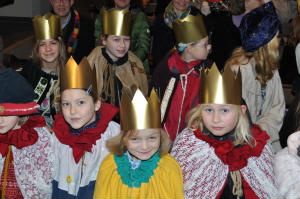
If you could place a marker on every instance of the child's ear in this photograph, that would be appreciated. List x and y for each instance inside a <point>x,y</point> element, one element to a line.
<point>97,105</point>
<point>243,108</point>
<point>103,40</point>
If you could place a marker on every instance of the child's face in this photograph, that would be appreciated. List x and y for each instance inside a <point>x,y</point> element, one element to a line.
<point>122,3</point>
<point>8,123</point>
<point>116,46</point>
<point>200,49</point>
<point>78,108</point>
<point>219,119</point>
<point>181,5</point>
<point>49,50</point>
<point>144,143</point>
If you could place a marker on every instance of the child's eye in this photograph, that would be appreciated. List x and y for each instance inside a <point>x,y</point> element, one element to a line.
<point>116,40</point>
<point>153,138</point>
<point>208,110</point>
<point>81,102</point>
<point>225,110</point>
<point>53,43</point>
<point>133,139</point>
<point>65,104</point>
<point>42,44</point>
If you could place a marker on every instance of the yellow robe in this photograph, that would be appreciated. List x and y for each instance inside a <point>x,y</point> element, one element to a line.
<point>166,182</point>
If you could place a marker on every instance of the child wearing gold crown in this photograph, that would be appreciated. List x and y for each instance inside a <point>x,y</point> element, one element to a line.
<point>221,154</point>
<point>80,130</point>
<point>48,56</point>
<point>139,165</point>
<point>177,77</point>
<point>118,70</point>
<point>26,155</point>
<point>257,60</point>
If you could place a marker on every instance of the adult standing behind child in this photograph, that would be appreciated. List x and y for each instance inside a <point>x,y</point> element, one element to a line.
<point>118,70</point>
<point>77,29</point>
<point>139,165</point>
<point>221,153</point>
<point>80,130</point>
<point>26,146</point>
<point>177,77</point>
<point>140,33</point>
<point>48,56</point>
<point>257,60</point>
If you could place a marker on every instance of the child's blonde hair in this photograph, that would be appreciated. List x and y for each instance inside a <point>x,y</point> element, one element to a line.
<point>266,58</point>
<point>118,144</point>
<point>242,132</point>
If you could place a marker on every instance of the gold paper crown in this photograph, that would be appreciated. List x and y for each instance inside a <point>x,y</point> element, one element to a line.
<point>189,29</point>
<point>140,113</point>
<point>78,76</point>
<point>47,26</point>
<point>116,22</point>
<point>220,89</point>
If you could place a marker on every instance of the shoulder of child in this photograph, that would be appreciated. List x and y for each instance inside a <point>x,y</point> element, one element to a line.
<point>133,58</point>
<point>168,163</point>
<point>108,162</point>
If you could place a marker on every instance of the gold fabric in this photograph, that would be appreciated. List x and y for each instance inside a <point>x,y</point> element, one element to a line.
<point>47,27</point>
<point>220,89</point>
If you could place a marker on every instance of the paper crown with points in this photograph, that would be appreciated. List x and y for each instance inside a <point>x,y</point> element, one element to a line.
<point>189,29</point>
<point>220,89</point>
<point>78,76</point>
<point>138,113</point>
<point>116,22</point>
<point>47,26</point>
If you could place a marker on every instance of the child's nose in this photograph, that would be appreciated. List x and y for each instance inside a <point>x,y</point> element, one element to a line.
<point>122,43</point>
<point>216,117</point>
<point>72,109</point>
<point>144,144</point>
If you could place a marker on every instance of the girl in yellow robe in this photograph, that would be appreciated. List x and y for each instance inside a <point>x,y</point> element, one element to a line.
<point>139,165</point>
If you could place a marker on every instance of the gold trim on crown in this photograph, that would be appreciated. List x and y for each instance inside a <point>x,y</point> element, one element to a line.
<point>140,113</point>
<point>47,26</point>
<point>189,29</point>
<point>78,76</point>
<point>116,22</point>
<point>220,89</point>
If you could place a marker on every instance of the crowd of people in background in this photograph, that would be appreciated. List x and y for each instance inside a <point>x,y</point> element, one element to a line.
<point>184,102</point>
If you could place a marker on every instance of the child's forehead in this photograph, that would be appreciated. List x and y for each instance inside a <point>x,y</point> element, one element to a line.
<point>74,93</point>
<point>218,105</point>
<point>146,132</point>
<point>118,36</point>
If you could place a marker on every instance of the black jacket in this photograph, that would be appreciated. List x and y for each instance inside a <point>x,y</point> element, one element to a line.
<point>86,40</point>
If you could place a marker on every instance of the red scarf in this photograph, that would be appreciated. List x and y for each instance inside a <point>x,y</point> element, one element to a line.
<point>191,98</point>
<point>236,157</point>
<point>22,137</point>
<point>87,138</point>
